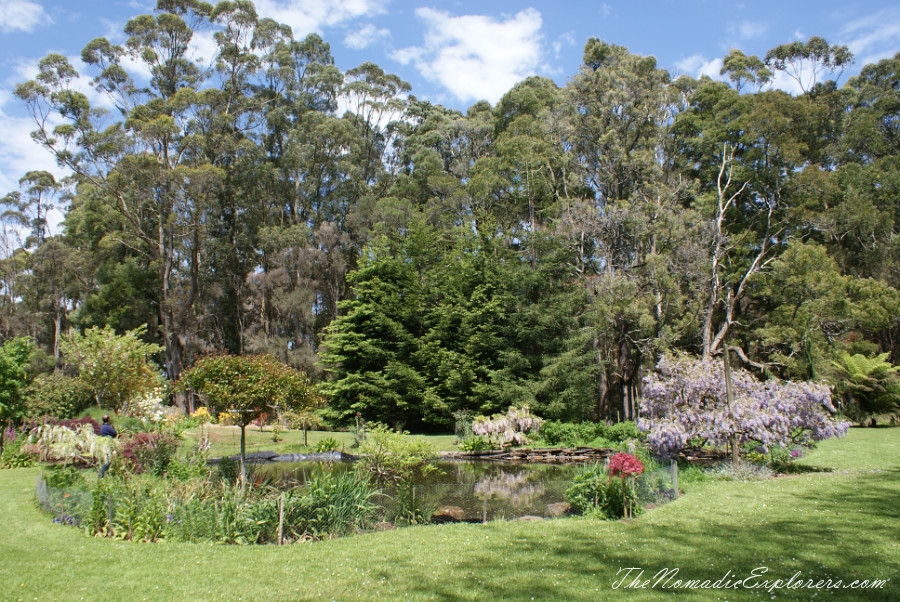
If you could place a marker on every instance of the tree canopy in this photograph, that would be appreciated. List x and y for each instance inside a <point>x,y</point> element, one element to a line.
<point>416,260</point>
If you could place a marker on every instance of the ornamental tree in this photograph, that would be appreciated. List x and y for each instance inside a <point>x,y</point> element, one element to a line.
<point>247,386</point>
<point>685,399</point>
<point>117,368</point>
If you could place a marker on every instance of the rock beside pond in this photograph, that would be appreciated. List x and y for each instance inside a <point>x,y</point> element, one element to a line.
<point>446,514</point>
<point>558,509</point>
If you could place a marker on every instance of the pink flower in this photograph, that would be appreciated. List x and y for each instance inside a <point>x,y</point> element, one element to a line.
<point>625,465</point>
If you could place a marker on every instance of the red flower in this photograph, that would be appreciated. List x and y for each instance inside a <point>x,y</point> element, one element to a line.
<point>625,465</point>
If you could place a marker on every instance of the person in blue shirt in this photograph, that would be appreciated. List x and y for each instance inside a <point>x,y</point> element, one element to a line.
<point>106,430</point>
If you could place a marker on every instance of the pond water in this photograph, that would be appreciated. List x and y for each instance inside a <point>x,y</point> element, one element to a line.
<point>474,491</point>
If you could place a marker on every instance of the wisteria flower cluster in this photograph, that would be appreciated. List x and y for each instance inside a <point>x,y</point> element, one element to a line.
<point>684,399</point>
<point>624,465</point>
<point>509,428</point>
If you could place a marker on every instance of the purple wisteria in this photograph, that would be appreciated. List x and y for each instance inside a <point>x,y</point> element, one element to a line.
<point>684,399</point>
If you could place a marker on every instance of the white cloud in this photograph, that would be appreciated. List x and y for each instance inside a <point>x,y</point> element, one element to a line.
<point>203,47</point>
<point>23,15</point>
<point>308,16</point>
<point>368,35</point>
<point>566,40</point>
<point>873,37</point>
<point>747,30</point>
<point>697,66</point>
<point>18,152</point>
<point>782,81</point>
<point>475,56</point>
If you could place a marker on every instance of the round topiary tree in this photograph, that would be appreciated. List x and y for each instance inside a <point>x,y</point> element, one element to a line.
<point>247,386</point>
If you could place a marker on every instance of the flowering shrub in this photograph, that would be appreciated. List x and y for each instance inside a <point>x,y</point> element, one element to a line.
<point>148,406</point>
<point>227,418</point>
<point>510,428</point>
<point>624,465</point>
<point>202,415</point>
<point>684,399</point>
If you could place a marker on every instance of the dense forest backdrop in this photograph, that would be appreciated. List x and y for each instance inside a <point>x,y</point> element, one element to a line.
<point>417,261</point>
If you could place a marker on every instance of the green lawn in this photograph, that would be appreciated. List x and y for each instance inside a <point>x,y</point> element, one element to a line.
<point>840,522</point>
<point>226,440</point>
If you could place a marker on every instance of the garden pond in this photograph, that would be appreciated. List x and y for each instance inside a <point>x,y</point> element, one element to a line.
<point>460,490</point>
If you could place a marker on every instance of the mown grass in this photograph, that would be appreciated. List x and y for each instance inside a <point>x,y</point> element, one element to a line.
<point>226,440</point>
<point>840,524</point>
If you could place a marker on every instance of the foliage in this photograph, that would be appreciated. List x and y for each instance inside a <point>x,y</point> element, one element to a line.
<point>15,360</point>
<point>810,303</point>
<point>685,399</point>
<point>247,386</point>
<point>58,443</point>
<point>329,444</point>
<point>462,426</point>
<point>15,453</point>
<point>595,493</point>
<point>570,434</point>
<point>228,470</point>
<point>475,443</point>
<point>117,368</point>
<point>60,477</point>
<point>395,461</point>
<point>58,395</point>
<point>335,504</point>
<point>143,508</point>
<point>511,428</point>
<point>149,452</point>
<point>424,261</point>
<point>72,423</point>
<point>202,414</point>
<point>624,465</point>
<point>868,385</point>
<point>304,420</point>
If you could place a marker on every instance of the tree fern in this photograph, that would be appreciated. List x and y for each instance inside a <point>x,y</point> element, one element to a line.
<point>869,385</point>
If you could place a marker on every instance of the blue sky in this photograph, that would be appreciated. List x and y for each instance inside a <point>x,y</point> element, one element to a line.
<point>457,52</point>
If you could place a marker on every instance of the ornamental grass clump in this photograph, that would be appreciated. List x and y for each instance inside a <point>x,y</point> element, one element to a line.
<point>59,443</point>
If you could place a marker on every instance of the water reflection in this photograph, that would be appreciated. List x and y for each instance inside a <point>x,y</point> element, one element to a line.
<point>481,491</point>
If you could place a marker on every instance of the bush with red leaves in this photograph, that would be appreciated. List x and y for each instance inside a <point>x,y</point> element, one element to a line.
<point>149,452</point>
